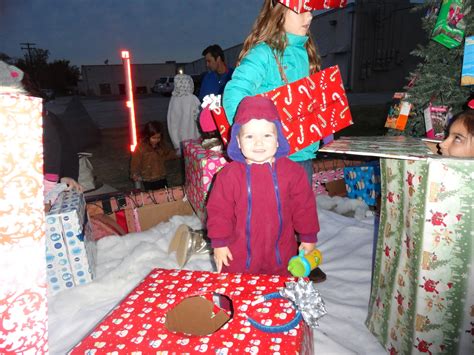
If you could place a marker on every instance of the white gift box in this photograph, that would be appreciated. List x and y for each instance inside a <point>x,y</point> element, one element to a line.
<point>70,249</point>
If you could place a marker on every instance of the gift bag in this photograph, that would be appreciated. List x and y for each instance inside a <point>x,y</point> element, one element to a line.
<point>86,172</point>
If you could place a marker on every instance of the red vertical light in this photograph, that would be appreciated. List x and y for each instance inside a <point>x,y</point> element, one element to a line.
<point>130,101</point>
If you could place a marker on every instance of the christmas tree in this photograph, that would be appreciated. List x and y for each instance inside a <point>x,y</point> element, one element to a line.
<point>437,78</point>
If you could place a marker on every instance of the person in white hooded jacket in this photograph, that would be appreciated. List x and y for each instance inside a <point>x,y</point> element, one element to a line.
<point>183,111</point>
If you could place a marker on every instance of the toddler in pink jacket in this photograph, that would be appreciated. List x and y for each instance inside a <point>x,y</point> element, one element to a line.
<point>261,198</point>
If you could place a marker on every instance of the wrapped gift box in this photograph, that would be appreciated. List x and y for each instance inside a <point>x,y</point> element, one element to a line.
<point>299,6</point>
<point>363,182</point>
<point>70,248</point>
<point>422,296</point>
<point>142,321</point>
<point>329,170</point>
<point>23,301</point>
<point>200,165</point>
<point>310,109</point>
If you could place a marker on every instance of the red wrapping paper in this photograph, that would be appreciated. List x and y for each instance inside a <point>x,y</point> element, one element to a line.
<point>310,109</point>
<point>137,324</point>
<point>311,5</point>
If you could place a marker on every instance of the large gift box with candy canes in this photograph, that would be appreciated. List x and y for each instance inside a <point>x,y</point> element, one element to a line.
<point>422,297</point>
<point>310,109</point>
<point>200,165</point>
<point>181,311</point>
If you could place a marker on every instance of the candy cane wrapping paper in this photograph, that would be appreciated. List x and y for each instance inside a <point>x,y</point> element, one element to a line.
<point>311,5</point>
<point>310,109</point>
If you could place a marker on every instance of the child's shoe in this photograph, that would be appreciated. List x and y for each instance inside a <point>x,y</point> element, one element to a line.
<point>317,275</point>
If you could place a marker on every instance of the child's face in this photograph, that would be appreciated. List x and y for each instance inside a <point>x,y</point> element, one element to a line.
<point>297,24</point>
<point>459,142</point>
<point>155,139</point>
<point>258,141</point>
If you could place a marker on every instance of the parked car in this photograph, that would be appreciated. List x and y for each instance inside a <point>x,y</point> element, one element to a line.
<point>164,85</point>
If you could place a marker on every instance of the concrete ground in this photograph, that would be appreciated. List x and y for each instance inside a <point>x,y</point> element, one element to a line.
<point>111,157</point>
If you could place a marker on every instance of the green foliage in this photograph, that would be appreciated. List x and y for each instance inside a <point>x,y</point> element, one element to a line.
<point>58,75</point>
<point>438,75</point>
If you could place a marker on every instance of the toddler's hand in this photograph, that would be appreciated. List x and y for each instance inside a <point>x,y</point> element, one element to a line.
<point>222,256</point>
<point>308,247</point>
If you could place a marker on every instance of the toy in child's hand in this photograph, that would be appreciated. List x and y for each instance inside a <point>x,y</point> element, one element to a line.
<point>302,264</point>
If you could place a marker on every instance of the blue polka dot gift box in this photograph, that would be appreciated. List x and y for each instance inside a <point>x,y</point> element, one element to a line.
<point>363,182</point>
<point>70,249</point>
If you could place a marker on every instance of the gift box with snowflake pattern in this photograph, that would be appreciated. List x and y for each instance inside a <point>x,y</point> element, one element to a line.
<point>141,321</point>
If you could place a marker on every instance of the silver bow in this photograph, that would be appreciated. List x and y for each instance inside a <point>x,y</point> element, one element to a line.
<point>307,300</point>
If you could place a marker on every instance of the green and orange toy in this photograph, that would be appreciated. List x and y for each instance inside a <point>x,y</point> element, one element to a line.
<point>302,264</point>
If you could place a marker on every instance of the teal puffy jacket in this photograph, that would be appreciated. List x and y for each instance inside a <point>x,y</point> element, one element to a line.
<point>258,73</point>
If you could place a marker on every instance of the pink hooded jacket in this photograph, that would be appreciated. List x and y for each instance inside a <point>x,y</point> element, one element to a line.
<point>255,209</point>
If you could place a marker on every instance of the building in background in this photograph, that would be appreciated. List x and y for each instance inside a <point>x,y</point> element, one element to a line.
<point>370,40</point>
<point>110,79</point>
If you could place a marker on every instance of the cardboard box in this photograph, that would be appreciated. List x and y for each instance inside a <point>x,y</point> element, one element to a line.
<point>399,112</point>
<point>70,248</point>
<point>136,211</point>
<point>153,317</point>
<point>450,25</point>
<point>422,286</point>
<point>200,165</point>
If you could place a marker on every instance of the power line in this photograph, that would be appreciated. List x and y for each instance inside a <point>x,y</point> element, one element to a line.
<point>29,48</point>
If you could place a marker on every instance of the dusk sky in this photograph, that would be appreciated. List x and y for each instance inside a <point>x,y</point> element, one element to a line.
<point>91,31</point>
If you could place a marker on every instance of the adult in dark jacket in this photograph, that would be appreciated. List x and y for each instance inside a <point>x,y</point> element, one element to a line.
<point>219,73</point>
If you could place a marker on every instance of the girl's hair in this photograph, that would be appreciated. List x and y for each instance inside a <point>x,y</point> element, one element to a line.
<point>269,28</point>
<point>467,118</point>
<point>150,129</point>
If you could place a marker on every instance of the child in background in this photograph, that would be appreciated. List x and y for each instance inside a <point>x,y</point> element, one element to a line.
<point>183,111</point>
<point>460,139</point>
<point>261,198</point>
<point>148,159</point>
<point>279,50</point>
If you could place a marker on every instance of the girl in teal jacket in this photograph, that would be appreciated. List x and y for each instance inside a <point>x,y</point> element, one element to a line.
<point>279,36</point>
<point>278,50</point>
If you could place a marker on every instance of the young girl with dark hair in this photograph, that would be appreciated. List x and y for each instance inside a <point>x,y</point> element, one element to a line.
<point>460,139</point>
<point>148,159</point>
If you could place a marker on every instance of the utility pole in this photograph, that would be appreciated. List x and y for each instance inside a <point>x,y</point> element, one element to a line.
<point>29,48</point>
